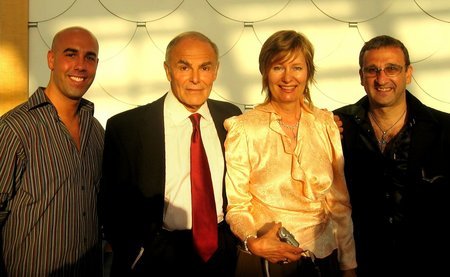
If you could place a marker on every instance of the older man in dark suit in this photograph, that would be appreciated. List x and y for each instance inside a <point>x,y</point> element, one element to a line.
<point>146,184</point>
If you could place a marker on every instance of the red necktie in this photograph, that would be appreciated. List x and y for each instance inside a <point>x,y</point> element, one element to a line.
<point>204,216</point>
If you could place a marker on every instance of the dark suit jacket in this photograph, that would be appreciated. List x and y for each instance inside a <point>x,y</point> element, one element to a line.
<point>399,207</point>
<point>132,187</point>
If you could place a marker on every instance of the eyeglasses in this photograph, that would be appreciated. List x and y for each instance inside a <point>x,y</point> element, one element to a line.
<point>390,70</point>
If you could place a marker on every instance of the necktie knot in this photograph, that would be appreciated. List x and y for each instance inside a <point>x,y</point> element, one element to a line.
<point>195,119</point>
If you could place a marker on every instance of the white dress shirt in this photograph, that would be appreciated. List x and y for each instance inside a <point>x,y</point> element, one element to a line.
<point>178,131</point>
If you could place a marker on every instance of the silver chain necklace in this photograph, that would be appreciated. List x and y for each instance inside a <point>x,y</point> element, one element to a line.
<point>383,141</point>
<point>290,127</point>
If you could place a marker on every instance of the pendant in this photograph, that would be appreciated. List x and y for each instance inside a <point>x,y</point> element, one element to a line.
<point>383,140</point>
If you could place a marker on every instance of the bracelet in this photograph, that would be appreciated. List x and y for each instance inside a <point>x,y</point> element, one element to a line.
<point>246,245</point>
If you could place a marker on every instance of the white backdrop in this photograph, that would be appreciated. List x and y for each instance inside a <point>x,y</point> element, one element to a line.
<point>133,35</point>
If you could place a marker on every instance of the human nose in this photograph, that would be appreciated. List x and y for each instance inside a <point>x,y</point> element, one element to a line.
<point>195,76</point>
<point>80,63</point>
<point>381,75</point>
<point>287,75</point>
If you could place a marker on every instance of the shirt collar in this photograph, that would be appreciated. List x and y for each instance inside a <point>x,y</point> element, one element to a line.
<point>179,113</point>
<point>39,99</point>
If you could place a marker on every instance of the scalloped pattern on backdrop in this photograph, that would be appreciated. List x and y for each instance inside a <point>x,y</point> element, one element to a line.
<point>133,35</point>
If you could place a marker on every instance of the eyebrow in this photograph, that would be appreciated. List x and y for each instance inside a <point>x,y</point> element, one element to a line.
<point>386,64</point>
<point>89,53</point>
<point>70,50</point>
<point>190,65</point>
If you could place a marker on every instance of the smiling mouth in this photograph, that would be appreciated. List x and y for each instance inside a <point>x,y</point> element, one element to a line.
<point>77,79</point>
<point>383,89</point>
<point>288,88</point>
<point>195,90</point>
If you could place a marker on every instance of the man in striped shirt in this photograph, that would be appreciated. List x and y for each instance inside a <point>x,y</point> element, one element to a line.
<point>51,150</point>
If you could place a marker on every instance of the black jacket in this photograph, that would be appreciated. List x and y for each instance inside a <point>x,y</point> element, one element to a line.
<point>133,181</point>
<point>400,207</point>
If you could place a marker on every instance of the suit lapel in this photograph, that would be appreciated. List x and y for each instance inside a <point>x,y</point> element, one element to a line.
<point>151,138</point>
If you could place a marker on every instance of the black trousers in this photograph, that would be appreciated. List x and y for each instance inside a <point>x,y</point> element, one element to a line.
<point>254,266</point>
<point>172,253</point>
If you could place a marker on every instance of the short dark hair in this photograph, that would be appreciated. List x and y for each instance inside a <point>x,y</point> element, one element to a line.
<point>380,42</point>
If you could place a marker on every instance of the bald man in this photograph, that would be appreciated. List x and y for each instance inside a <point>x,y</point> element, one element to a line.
<point>51,150</point>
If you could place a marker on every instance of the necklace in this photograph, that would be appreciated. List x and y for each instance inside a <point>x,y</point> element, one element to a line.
<point>383,140</point>
<point>290,127</point>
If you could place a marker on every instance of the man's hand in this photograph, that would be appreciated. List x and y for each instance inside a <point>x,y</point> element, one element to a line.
<point>340,125</point>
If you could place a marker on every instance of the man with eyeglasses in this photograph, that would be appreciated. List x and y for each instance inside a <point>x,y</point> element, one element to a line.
<point>397,166</point>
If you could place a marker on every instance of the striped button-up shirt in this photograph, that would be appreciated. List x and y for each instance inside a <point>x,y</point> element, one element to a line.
<point>49,190</point>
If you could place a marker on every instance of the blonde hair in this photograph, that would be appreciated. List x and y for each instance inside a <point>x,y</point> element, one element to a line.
<point>280,47</point>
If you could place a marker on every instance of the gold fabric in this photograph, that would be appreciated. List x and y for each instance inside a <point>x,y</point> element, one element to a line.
<point>305,189</point>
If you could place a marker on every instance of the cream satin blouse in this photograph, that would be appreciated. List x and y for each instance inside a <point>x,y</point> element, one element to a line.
<point>305,190</point>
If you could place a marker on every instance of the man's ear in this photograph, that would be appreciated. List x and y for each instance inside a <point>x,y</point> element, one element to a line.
<point>361,77</point>
<point>50,59</point>
<point>409,72</point>
<point>217,70</point>
<point>167,70</point>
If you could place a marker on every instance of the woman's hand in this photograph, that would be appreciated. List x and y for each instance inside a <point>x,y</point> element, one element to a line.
<point>269,247</point>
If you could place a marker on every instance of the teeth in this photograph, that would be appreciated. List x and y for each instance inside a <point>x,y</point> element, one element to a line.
<point>78,79</point>
<point>290,87</point>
